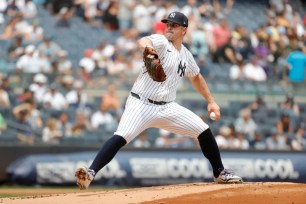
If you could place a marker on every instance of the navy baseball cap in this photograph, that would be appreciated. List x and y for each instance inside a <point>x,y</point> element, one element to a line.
<point>178,18</point>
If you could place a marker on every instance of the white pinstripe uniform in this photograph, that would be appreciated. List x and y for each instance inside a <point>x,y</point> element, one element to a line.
<point>140,114</point>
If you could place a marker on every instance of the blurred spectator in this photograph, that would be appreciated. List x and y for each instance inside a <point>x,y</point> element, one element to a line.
<point>110,100</point>
<point>204,68</point>
<point>21,124</point>
<point>258,104</point>
<point>100,66</point>
<point>12,9</point>
<point>221,47</point>
<point>142,141</point>
<point>64,65</point>
<point>102,118</point>
<point>110,16</point>
<point>258,143</point>
<point>63,125</point>
<point>15,27</point>
<point>261,50</point>
<point>80,125</point>
<point>76,98</point>
<point>284,125</point>
<point>191,8</point>
<point>57,5</point>
<point>26,95</point>
<point>282,67</point>
<point>289,106</point>
<point>34,118</point>
<point>26,63</point>
<point>87,63</point>
<point>125,14</point>
<point>64,18</point>
<point>90,10</point>
<point>3,6</point>
<point>50,133</point>
<point>297,61</point>
<point>66,83</point>
<point>199,46</point>
<point>49,47</point>
<point>16,48</point>
<point>242,43</point>
<point>276,141</point>
<point>4,98</point>
<point>83,75</point>
<point>241,142</point>
<point>54,99</point>
<point>5,84</point>
<point>38,87</point>
<point>142,20</point>
<point>222,137</point>
<point>168,140</point>
<point>237,71</point>
<point>118,66</point>
<point>254,72</point>
<point>126,41</point>
<point>298,143</point>
<point>159,27</point>
<point>164,140</point>
<point>34,33</point>
<point>40,63</point>
<point>246,124</point>
<point>28,9</point>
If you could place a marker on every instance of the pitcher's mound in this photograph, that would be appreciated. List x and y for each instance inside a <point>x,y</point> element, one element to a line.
<point>195,193</point>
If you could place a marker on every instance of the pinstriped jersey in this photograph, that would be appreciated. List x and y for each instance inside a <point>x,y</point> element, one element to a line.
<point>176,64</point>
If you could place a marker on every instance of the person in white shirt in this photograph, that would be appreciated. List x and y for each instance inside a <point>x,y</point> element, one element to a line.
<point>28,9</point>
<point>38,87</point>
<point>64,65</point>
<point>76,97</point>
<point>254,72</point>
<point>54,99</point>
<point>237,71</point>
<point>87,62</point>
<point>26,62</point>
<point>102,117</point>
<point>142,18</point>
<point>245,124</point>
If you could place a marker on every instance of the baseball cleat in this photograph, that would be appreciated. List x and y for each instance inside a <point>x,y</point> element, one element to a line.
<point>84,178</point>
<point>227,176</point>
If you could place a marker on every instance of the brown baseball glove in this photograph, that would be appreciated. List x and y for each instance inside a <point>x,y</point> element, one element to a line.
<point>153,66</point>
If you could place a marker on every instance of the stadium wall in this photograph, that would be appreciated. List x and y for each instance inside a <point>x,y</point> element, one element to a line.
<point>145,167</point>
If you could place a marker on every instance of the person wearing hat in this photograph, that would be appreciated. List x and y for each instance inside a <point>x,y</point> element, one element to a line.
<point>152,104</point>
<point>54,99</point>
<point>26,63</point>
<point>38,87</point>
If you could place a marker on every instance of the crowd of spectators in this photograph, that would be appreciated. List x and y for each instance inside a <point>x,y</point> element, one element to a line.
<point>52,103</point>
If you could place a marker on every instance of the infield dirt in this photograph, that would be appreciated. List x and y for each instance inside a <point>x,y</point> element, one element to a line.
<point>194,193</point>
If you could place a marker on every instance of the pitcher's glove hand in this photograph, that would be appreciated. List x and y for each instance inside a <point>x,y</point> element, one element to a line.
<point>152,64</point>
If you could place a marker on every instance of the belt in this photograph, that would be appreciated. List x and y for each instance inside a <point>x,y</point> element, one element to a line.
<point>151,101</point>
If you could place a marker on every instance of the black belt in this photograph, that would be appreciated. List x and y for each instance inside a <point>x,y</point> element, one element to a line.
<point>151,101</point>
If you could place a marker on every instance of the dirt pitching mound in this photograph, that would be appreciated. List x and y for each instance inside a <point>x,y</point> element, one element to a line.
<point>195,193</point>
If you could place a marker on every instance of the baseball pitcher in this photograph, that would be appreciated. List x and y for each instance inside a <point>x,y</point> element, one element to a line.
<point>151,102</point>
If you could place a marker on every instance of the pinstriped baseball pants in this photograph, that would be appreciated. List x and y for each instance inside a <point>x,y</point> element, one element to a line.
<point>140,115</point>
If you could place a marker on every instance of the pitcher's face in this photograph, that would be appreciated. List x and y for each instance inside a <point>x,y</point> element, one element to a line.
<point>174,31</point>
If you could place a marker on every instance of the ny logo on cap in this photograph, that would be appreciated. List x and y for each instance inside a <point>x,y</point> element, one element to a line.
<point>172,15</point>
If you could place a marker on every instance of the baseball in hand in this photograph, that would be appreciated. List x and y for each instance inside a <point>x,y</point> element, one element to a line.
<point>212,116</point>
